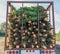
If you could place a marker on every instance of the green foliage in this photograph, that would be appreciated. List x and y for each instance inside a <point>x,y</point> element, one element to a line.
<point>58,36</point>
<point>13,10</point>
<point>2,29</point>
<point>2,34</point>
<point>32,12</point>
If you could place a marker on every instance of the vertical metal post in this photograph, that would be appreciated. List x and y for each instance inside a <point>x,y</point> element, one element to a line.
<point>53,21</point>
<point>6,23</point>
<point>53,16</point>
<point>22,13</point>
<point>38,19</point>
<point>22,23</point>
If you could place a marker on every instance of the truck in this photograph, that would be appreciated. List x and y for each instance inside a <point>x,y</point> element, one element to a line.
<point>30,27</point>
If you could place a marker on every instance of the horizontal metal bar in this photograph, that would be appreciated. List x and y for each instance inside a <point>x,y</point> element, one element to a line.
<point>29,49</point>
<point>30,1</point>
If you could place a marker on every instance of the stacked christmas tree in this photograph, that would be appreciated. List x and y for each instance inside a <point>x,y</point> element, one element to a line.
<point>29,28</point>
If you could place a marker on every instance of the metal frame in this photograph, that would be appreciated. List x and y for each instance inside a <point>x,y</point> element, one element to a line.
<point>48,9</point>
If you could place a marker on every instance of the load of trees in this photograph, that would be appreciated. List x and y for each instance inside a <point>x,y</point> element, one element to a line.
<point>29,27</point>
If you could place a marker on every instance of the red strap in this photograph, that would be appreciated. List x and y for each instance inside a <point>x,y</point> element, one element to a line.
<point>30,50</point>
<point>26,50</point>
